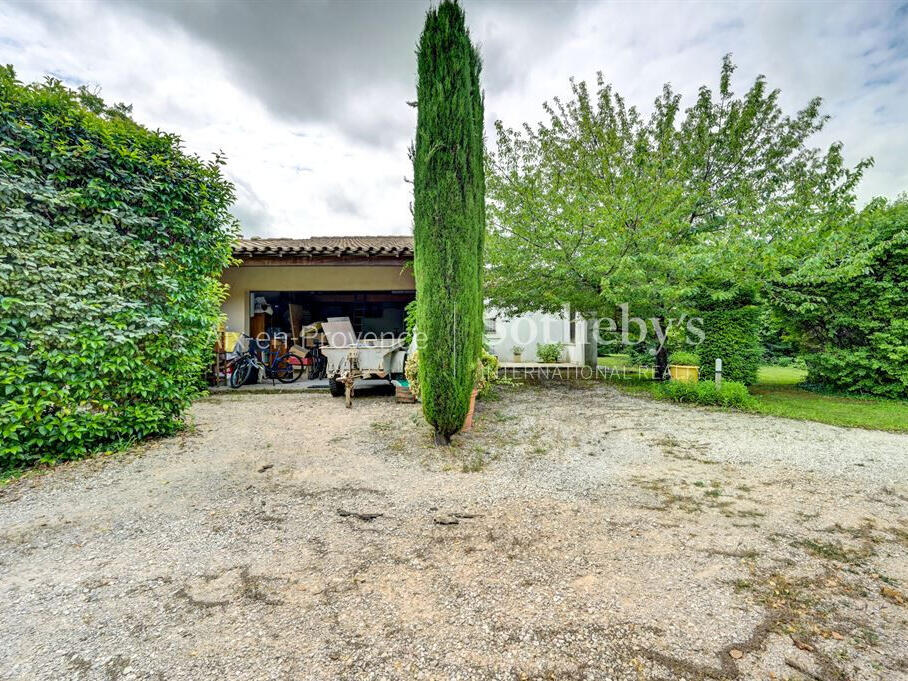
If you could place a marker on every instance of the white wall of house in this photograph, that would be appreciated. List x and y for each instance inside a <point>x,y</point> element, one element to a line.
<point>530,330</point>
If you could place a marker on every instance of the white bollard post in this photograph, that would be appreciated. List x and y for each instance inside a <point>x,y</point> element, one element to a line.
<point>718,372</point>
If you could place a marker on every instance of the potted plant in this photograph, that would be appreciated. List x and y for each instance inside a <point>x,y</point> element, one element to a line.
<point>549,352</point>
<point>518,353</point>
<point>684,366</point>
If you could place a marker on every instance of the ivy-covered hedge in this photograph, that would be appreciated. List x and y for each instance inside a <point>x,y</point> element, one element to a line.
<point>112,242</point>
<point>732,334</point>
<point>852,320</point>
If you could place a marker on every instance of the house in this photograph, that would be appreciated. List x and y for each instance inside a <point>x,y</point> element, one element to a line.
<point>528,331</point>
<point>281,285</point>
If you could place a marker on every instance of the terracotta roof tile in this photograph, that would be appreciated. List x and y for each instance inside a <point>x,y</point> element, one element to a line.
<point>389,246</point>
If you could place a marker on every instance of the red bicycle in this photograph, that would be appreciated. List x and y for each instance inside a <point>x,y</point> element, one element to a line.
<point>284,367</point>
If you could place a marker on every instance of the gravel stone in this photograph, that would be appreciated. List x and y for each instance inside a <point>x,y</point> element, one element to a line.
<point>597,536</point>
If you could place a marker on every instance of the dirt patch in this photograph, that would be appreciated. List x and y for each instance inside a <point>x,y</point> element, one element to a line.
<point>572,534</point>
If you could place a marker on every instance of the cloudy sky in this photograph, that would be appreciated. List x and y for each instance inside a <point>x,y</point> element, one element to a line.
<point>308,99</point>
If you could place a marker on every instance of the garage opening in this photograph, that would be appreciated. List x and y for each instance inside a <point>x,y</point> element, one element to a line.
<point>287,312</point>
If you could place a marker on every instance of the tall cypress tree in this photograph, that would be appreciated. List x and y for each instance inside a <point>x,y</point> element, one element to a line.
<point>449,217</point>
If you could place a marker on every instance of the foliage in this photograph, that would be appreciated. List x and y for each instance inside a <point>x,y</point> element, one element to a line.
<point>850,314</point>
<point>113,244</point>
<point>684,358</point>
<point>449,216</point>
<point>732,334</point>
<point>409,322</point>
<point>488,376</point>
<point>600,205</point>
<point>776,395</point>
<point>641,354</point>
<point>549,352</point>
<point>786,361</point>
<point>517,349</point>
<point>411,372</point>
<point>729,394</point>
<point>779,347</point>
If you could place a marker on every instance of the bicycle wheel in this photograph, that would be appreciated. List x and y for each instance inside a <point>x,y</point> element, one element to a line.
<point>240,374</point>
<point>287,368</point>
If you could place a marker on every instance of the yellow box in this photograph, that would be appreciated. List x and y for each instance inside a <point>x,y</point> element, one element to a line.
<point>684,372</point>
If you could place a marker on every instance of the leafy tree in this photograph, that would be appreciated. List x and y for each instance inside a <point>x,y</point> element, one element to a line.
<point>112,243</point>
<point>449,217</point>
<point>600,204</point>
<point>848,306</point>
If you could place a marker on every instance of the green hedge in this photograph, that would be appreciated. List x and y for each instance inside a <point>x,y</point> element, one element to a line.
<point>734,336</point>
<point>113,241</point>
<point>854,323</point>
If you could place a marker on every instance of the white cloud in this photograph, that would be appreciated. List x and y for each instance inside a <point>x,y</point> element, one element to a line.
<point>855,56</point>
<point>308,100</point>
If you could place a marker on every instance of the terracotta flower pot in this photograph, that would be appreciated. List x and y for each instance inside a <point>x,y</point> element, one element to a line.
<point>468,422</point>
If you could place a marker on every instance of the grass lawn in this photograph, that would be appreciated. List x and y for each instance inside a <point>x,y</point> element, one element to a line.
<point>614,361</point>
<point>773,375</point>
<point>624,368</point>
<point>777,393</point>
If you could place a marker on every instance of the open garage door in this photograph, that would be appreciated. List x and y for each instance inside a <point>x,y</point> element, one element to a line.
<point>370,312</point>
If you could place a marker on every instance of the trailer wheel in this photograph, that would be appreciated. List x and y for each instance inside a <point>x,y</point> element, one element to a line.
<point>335,387</point>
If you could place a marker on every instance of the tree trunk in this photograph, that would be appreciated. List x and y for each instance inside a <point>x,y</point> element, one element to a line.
<point>662,362</point>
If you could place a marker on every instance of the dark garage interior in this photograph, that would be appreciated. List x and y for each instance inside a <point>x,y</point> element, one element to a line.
<point>370,312</point>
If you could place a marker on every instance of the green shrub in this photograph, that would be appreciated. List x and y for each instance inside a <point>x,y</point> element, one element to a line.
<point>730,394</point>
<point>683,358</point>
<point>778,344</point>
<point>409,322</point>
<point>852,319</point>
<point>549,352</point>
<point>734,336</point>
<point>639,354</point>
<point>411,371</point>
<point>113,244</point>
<point>448,216</point>
<point>488,377</point>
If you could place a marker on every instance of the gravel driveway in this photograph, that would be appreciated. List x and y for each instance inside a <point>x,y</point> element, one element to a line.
<point>575,533</point>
